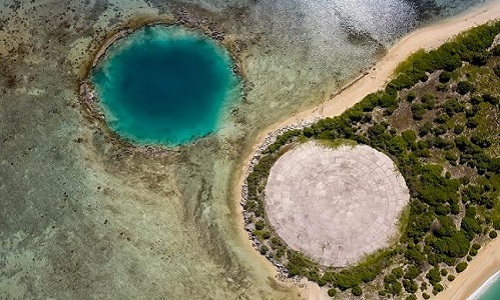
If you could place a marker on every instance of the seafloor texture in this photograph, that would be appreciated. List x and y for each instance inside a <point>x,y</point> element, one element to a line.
<point>165,85</point>
<point>83,218</point>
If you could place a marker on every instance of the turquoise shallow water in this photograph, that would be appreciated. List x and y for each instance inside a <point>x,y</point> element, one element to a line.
<point>165,85</point>
<point>493,291</point>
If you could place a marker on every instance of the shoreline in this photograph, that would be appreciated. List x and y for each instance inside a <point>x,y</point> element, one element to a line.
<point>482,268</point>
<point>427,37</point>
<point>483,288</point>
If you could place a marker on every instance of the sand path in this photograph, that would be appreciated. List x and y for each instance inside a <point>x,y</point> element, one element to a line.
<point>428,38</point>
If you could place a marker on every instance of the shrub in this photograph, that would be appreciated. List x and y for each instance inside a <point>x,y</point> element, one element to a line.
<point>418,111</point>
<point>398,272</point>
<point>424,130</point>
<point>491,99</point>
<point>332,292</point>
<point>444,272</point>
<point>357,291</point>
<point>410,286</point>
<point>260,225</point>
<point>493,234</point>
<point>464,87</point>
<point>452,107</point>
<point>450,156</point>
<point>496,70</point>
<point>458,129</point>
<point>481,141</point>
<point>411,96</point>
<point>444,77</point>
<point>495,51</point>
<point>426,296</point>
<point>442,119</point>
<point>433,276</point>
<point>412,273</point>
<point>451,277</point>
<point>496,224</point>
<point>471,123</point>
<point>423,286</point>
<point>437,288</point>
<point>429,101</point>
<point>461,266</point>
<point>411,297</point>
<point>440,130</point>
<point>479,59</point>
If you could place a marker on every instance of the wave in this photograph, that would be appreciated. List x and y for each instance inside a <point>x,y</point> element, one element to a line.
<point>481,290</point>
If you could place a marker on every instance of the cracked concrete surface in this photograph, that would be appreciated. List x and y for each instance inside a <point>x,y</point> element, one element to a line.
<point>335,205</point>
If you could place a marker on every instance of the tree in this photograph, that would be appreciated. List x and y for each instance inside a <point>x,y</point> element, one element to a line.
<point>461,266</point>
<point>412,273</point>
<point>410,286</point>
<point>433,276</point>
<point>398,272</point>
<point>437,288</point>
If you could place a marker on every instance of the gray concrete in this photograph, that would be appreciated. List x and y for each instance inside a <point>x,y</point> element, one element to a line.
<point>335,205</point>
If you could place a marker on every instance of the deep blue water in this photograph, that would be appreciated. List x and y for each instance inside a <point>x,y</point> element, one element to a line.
<point>165,85</point>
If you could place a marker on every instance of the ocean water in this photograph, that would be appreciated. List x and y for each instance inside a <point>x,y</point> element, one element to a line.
<point>164,85</point>
<point>79,223</point>
<point>490,290</point>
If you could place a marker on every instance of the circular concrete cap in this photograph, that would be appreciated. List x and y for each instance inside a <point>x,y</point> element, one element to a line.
<point>335,205</point>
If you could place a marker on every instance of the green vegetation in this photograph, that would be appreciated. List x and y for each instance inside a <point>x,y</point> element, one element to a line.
<point>332,292</point>
<point>448,152</point>
<point>356,291</point>
<point>461,267</point>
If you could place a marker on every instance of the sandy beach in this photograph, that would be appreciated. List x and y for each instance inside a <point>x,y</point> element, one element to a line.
<point>429,37</point>
<point>482,267</point>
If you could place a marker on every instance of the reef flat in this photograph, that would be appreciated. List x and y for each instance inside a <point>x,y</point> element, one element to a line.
<point>85,217</point>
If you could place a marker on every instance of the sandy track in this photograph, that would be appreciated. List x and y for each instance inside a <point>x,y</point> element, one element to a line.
<point>428,38</point>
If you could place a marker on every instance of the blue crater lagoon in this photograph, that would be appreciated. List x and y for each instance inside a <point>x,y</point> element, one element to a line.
<point>165,85</point>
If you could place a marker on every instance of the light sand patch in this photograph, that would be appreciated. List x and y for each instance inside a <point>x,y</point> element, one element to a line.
<point>335,205</point>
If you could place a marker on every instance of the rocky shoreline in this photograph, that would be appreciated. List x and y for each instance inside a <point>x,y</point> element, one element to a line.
<point>249,226</point>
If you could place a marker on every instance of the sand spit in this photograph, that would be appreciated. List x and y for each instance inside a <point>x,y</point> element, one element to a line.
<point>428,37</point>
